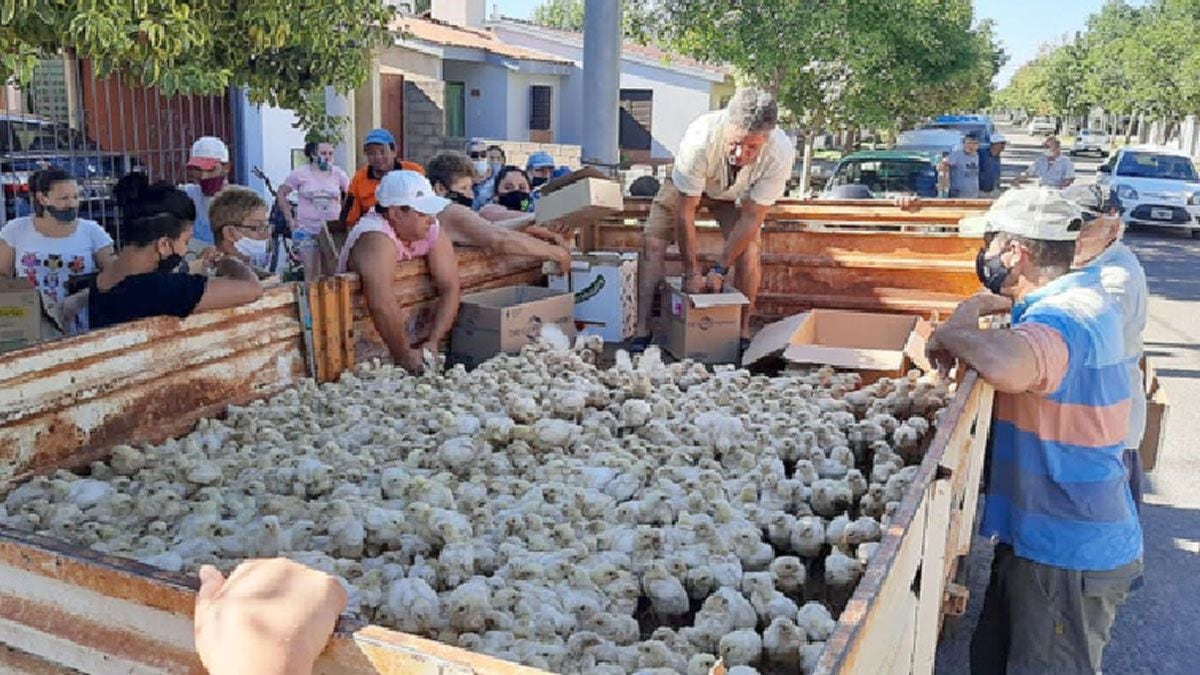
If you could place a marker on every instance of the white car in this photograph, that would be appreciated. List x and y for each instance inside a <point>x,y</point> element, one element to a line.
<point>1041,126</point>
<point>1156,186</point>
<point>1090,140</point>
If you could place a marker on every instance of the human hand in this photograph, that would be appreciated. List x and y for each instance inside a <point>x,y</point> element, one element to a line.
<point>562,258</point>
<point>911,203</point>
<point>269,616</point>
<point>546,235</point>
<point>715,281</point>
<point>984,303</point>
<point>412,361</point>
<point>694,283</point>
<point>940,357</point>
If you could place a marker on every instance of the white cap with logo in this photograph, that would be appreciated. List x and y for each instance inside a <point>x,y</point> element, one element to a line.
<point>208,152</point>
<point>1035,213</point>
<point>411,189</point>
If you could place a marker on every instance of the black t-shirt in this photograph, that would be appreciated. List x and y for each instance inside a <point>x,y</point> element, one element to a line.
<point>144,295</point>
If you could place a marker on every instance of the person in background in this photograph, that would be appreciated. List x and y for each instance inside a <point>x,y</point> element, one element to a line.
<point>380,148</point>
<point>1051,169</point>
<point>240,223</point>
<point>53,245</point>
<point>320,186</point>
<point>964,168</point>
<point>270,617</point>
<point>208,171</point>
<point>143,281</point>
<point>1124,280</point>
<point>737,162</point>
<point>482,182</point>
<point>403,226</point>
<point>511,195</point>
<point>451,173</point>
<point>991,165</point>
<point>540,169</point>
<point>1057,499</point>
<point>496,157</point>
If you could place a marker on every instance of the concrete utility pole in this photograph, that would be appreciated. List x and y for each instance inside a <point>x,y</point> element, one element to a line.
<point>601,81</point>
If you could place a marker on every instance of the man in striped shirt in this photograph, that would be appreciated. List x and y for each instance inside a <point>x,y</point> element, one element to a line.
<point>1058,502</point>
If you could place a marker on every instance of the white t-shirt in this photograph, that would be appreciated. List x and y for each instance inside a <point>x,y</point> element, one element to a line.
<point>1052,175</point>
<point>48,262</point>
<point>702,164</point>
<point>1125,281</point>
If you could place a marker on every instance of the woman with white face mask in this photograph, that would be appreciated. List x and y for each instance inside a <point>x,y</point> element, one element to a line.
<point>320,187</point>
<point>242,230</point>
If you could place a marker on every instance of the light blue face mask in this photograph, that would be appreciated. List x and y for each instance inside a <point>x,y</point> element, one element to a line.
<point>322,164</point>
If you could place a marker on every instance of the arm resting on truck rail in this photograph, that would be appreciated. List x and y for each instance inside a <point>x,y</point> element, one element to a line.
<point>443,269</point>
<point>374,258</point>
<point>1031,357</point>
<point>466,227</point>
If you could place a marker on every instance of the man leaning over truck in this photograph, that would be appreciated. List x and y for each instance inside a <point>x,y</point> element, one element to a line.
<point>1058,501</point>
<point>737,163</point>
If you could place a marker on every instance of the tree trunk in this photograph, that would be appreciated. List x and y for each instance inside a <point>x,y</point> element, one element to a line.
<point>1133,116</point>
<point>806,164</point>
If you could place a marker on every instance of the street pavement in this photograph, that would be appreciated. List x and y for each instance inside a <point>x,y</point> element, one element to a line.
<point>1157,631</point>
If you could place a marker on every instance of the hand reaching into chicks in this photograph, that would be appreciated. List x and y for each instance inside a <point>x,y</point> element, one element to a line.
<point>269,616</point>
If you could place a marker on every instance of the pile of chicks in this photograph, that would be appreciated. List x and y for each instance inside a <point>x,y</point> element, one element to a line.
<point>645,517</point>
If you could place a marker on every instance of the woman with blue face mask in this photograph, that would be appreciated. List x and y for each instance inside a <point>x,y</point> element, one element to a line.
<point>54,245</point>
<point>320,188</point>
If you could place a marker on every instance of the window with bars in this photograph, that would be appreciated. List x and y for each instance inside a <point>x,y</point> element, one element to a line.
<point>637,110</point>
<point>540,100</point>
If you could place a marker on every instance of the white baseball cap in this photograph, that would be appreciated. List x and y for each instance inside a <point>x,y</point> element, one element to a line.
<point>208,152</point>
<point>409,188</point>
<point>998,138</point>
<point>1035,213</point>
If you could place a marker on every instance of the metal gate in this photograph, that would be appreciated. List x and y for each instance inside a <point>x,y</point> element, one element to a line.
<point>98,130</point>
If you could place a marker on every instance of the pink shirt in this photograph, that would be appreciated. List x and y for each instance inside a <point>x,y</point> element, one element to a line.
<point>373,222</point>
<point>319,195</point>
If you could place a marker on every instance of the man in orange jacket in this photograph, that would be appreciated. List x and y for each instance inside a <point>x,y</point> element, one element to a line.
<point>380,148</point>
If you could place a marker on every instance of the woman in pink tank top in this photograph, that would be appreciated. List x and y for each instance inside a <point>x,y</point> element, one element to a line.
<point>404,226</point>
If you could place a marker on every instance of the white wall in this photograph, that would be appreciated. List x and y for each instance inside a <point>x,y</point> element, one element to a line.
<point>518,105</point>
<point>486,114</point>
<point>678,98</point>
<point>279,137</point>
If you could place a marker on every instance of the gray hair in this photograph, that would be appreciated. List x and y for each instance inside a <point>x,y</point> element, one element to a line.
<point>752,110</point>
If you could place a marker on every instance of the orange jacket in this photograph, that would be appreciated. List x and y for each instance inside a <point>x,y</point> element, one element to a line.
<point>360,196</point>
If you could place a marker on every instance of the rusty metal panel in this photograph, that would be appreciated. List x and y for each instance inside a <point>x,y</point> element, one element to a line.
<point>63,403</point>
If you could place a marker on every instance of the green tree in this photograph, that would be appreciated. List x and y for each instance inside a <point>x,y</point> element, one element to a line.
<point>568,15</point>
<point>837,65</point>
<point>285,52</point>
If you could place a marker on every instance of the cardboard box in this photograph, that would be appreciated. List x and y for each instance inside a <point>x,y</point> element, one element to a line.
<point>605,286</point>
<point>506,319</point>
<point>584,195</point>
<point>20,314</point>
<point>704,327</point>
<point>879,345</point>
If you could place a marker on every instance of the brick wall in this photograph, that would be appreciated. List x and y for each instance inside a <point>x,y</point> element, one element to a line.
<point>424,119</point>
<point>519,151</point>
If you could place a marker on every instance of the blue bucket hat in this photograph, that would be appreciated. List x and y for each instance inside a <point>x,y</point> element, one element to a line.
<point>381,136</point>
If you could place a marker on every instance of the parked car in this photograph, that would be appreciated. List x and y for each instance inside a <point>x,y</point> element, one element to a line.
<point>929,139</point>
<point>1042,126</point>
<point>1156,186</point>
<point>1090,140</point>
<point>980,125</point>
<point>29,143</point>
<point>886,173</point>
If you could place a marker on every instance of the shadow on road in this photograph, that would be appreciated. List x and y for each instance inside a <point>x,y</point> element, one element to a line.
<point>1173,256</point>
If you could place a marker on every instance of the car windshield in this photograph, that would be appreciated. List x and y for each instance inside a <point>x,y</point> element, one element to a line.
<point>896,176</point>
<point>1152,165</point>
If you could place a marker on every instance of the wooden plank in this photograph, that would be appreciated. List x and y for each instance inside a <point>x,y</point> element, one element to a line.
<point>933,576</point>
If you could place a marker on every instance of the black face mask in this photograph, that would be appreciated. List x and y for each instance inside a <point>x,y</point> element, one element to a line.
<point>514,201</point>
<point>991,272</point>
<point>66,215</point>
<point>460,198</point>
<point>538,181</point>
<point>170,263</point>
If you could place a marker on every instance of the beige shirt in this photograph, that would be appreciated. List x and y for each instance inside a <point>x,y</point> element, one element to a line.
<point>702,164</point>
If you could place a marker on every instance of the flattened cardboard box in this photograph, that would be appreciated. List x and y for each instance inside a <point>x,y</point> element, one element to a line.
<point>878,345</point>
<point>704,327</point>
<point>20,314</point>
<point>584,195</point>
<point>506,319</point>
<point>605,285</point>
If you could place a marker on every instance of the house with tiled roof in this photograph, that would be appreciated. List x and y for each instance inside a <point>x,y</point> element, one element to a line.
<point>660,93</point>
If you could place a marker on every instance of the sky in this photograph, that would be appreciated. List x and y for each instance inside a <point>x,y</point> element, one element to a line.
<point>1022,25</point>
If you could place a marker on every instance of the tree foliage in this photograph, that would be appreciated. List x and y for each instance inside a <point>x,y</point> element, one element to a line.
<point>285,52</point>
<point>568,15</point>
<point>842,63</point>
<point>1129,60</point>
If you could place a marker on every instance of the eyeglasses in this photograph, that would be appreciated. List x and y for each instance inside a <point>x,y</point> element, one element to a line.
<point>478,155</point>
<point>257,228</point>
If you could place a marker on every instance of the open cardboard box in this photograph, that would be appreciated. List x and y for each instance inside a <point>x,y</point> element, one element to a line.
<point>581,196</point>
<point>878,345</point>
<point>506,319</point>
<point>605,288</point>
<point>704,327</point>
